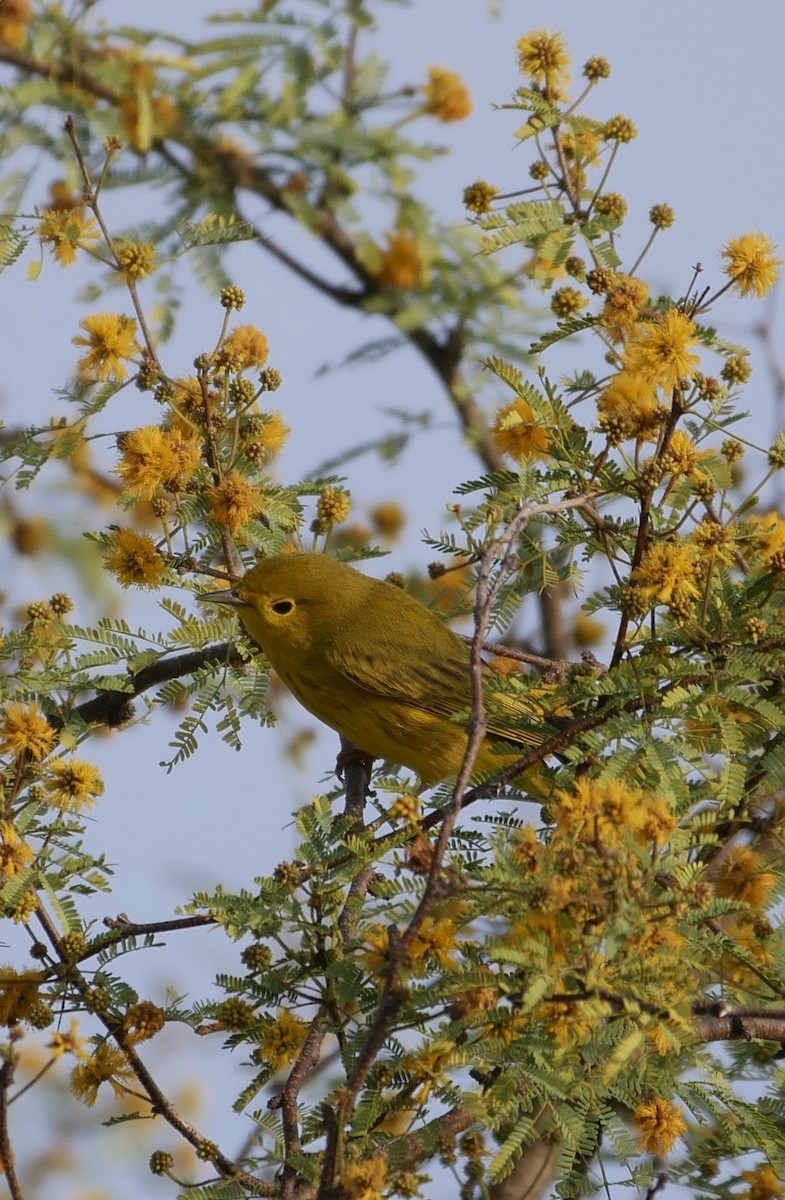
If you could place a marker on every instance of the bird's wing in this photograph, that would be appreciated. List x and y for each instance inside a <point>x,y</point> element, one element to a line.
<point>439,684</point>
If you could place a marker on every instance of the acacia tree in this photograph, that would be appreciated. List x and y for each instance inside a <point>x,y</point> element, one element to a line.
<point>568,1004</point>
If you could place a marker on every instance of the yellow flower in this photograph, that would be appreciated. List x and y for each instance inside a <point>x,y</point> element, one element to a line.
<point>588,630</point>
<point>25,730</point>
<point>683,455</point>
<point>446,96</point>
<point>581,143</point>
<point>402,265</point>
<point>15,854</point>
<point>479,196</point>
<point>752,262</point>
<point>669,572</point>
<point>742,875</point>
<point>769,533</point>
<point>111,341</point>
<point>543,56</point>
<point>154,458</point>
<point>623,304</point>
<point>377,941</point>
<point>716,542</point>
<point>434,939</point>
<point>660,350</point>
<point>764,1183</point>
<point>15,16</point>
<point>136,260</point>
<point>68,1043</point>
<point>613,809</point>
<point>143,1021</point>
<point>73,784</point>
<point>364,1180</point>
<point>248,346</point>
<point>66,230</point>
<point>135,559</point>
<point>106,1065</point>
<point>283,1038</point>
<point>388,519</point>
<point>661,1123</point>
<point>234,502</point>
<point>18,993</point>
<point>333,506</point>
<point>186,394</point>
<point>517,432</point>
<point>273,434</point>
<point>630,407</point>
<point>147,123</point>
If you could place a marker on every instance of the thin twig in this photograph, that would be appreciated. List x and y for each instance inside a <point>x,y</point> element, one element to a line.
<point>91,199</point>
<point>159,1101</point>
<point>6,1150</point>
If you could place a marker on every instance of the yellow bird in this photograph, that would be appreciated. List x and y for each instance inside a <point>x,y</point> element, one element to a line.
<point>375,664</point>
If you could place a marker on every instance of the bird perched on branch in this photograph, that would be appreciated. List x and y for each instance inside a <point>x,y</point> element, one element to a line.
<point>376,665</point>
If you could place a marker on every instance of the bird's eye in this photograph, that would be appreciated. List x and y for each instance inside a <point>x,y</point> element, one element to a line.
<point>282,607</point>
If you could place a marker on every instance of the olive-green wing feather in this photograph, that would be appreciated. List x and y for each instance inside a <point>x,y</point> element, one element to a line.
<point>417,660</point>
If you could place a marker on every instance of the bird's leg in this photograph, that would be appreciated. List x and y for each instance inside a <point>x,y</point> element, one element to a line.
<point>353,767</point>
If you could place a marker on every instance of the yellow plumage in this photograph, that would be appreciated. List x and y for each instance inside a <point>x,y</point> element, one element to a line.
<point>374,664</point>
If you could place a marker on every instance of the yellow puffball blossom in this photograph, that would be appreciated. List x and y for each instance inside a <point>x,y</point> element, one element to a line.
<point>660,350</point>
<point>623,305</point>
<point>135,260</point>
<point>333,506</point>
<point>446,96</point>
<point>764,1183</point>
<point>248,346</point>
<point>619,129</point>
<point>15,854</point>
<point>15,16</point>
<point>402,265</point>
<point>669,574</point>
<point>66,230</point>
<point>683,455</point>
<point>742,875</point>
<point>544,57</point>
<point>388,519</point>
<point>435,939</point>
<point>153,458</point>
<point>25,730</point>
<point>365,1180</point>
<point>142,1022</point>
<point>716,542</point>
<point>769,534</point>
<point>517,432</point>
<point>134,559</point>
<point>146,123</point>
<point>68,1043</point>
<point>613,811</point>
<point>273,434</point>
<point>629,407</point>
<point>282,1040</point>
<point>234,501</point>
<point>106,1065</point>
<point>479,196</point>
<point>73,784</point>
<point>588,630</point>
<point>660,1123</point>
<point>111,342</point>
<point>18,993</point>
<point>752,262</point>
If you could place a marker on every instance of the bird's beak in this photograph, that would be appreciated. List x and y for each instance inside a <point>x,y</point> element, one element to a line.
<point>226,597</point>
